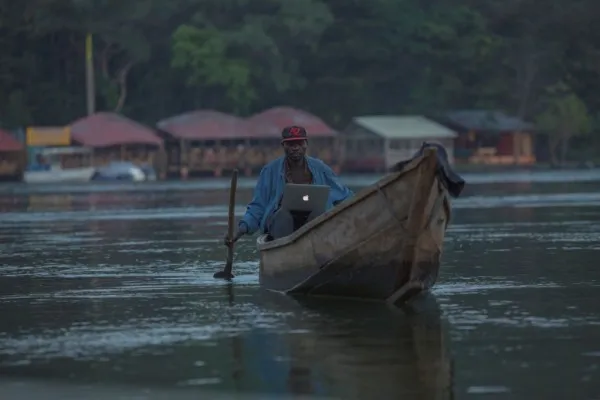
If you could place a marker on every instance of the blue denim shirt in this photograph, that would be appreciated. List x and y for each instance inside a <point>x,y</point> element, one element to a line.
<point>269,189</point>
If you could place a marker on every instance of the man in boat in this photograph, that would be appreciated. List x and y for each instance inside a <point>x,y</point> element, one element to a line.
<point>264,211</point>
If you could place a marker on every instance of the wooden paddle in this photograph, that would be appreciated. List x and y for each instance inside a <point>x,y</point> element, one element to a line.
<point>226,273</point>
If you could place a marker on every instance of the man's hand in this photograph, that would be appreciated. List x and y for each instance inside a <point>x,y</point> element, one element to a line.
<point>242,230</point>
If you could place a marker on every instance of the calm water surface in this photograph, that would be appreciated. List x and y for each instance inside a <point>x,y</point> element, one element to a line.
<point>106,291</point>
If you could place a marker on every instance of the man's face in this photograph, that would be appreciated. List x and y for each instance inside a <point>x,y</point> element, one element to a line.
<point>295,150</point>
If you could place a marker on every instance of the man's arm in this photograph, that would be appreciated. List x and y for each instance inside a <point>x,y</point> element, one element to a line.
<point>339,191</point>
<point>256,208</point>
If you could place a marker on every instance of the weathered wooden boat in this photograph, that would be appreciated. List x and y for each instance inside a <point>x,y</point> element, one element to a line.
<point>383,244</point>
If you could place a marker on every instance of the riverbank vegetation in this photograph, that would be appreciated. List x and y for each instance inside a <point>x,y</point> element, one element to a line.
<point>535,59</point>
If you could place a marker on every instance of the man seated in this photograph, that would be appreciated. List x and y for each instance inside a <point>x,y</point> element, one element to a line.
<point>264,211</point>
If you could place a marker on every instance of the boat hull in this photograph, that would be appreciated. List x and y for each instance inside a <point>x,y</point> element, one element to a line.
<point>384,244</point>
<point>60,175</point>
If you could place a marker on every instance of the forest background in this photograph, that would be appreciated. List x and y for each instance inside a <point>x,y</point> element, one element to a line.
<point>535,59</point>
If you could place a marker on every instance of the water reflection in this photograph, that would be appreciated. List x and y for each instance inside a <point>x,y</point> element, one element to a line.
<point>241,340</point>
<point>355,350</point>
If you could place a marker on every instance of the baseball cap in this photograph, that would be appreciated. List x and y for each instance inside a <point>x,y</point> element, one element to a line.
<point>291,133</point>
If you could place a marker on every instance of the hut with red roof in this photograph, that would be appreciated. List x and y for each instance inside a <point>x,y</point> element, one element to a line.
<point>209,142</point>
<point>205,142</point>
<point>114,137</point>
<point>323,139</point>
<point>12,157</point>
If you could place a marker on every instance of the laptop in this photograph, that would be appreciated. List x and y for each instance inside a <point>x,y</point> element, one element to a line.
<point>307,198</point>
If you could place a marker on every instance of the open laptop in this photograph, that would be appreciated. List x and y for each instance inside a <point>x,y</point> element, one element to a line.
<point>298,197</point>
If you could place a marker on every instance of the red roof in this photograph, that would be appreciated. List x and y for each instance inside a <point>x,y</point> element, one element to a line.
<point>272,121</point>
<point>204,125</point>
<point>8,142</point>
<point>109,129</point>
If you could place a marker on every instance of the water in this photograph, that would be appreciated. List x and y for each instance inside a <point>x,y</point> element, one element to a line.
<point>106,291</point>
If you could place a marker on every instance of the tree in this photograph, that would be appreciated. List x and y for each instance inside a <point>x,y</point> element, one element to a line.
<point>249,49</point>
<point>334,58</point>
<point>564,116</point>
<point>204,53</point>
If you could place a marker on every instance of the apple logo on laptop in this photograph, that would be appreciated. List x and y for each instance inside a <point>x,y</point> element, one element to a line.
<point>305,197</point>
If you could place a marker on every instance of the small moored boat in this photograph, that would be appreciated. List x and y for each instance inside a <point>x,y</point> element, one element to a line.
<point>124,171</point>
<point>61,165</point>
<point>383,244</point>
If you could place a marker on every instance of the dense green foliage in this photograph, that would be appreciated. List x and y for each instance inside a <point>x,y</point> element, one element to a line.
<point>335,58</point>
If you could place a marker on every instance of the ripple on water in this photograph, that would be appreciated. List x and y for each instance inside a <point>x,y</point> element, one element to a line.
<point>162,272</point>
<point>109,284</point>
<point>18,218</point>
<point>582,199</point>
<point>86,343</point>
<point>198,321</point>
<point>488,389</point>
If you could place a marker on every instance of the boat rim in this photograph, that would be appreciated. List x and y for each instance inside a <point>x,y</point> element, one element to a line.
<point>263,244</point>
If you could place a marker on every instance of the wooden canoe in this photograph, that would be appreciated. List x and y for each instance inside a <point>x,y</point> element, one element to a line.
<point>383,244</point>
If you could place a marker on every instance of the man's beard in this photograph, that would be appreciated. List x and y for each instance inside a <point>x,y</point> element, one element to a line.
<point>295,156</point>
